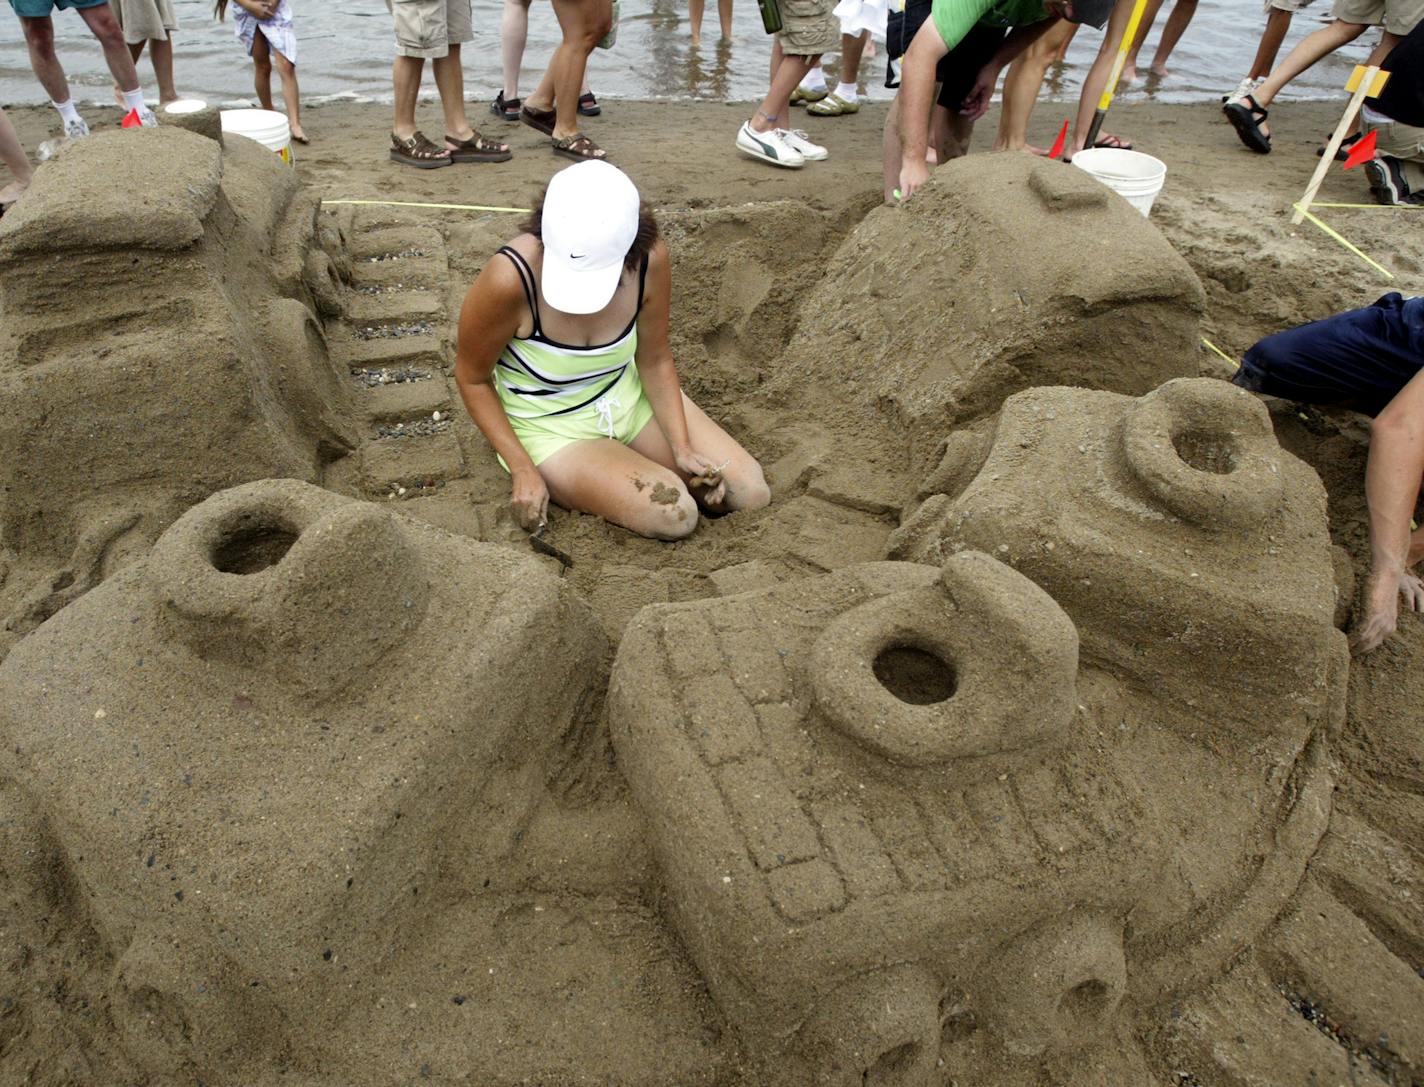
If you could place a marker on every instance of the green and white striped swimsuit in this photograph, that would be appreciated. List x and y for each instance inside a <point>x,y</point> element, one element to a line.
<point>555,393</point>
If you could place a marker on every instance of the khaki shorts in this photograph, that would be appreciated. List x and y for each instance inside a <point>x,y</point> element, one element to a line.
<point>1286,5</point>
<point>1397,16</point>
<point>145,20</point>
<point>808,27</point>
<point>427,28</point>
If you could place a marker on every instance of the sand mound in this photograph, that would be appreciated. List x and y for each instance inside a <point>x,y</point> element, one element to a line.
<point>162,340</point>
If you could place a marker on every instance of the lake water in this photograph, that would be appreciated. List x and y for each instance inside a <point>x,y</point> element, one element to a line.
<point>346,49</point>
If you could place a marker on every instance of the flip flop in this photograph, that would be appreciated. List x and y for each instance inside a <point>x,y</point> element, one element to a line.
<point>579,147</point>
<point>540,120</point>
<point>1246,117</point>
<point>1114,143</point>
<point>478,149</point>
<point>419,152</point>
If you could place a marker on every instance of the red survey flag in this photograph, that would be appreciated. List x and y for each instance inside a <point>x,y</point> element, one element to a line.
<point>1361,152</point>
<point>132,121</point>
<point>1058,143</point>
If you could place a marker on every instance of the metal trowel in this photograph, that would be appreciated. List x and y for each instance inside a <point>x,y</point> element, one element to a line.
<point>540,543</point>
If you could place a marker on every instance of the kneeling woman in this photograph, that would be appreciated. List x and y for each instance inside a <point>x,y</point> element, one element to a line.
<point>564,364</point>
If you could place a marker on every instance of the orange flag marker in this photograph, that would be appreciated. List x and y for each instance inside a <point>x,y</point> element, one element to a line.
<point>132,121</point>
<point>1363,151</point>
<point>1057,151</point>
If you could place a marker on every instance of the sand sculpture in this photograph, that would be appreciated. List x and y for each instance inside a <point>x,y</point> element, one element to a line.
<point>202,362</point>
<point>928,820</point>
<point>905,804</point>
<point>280,749</point>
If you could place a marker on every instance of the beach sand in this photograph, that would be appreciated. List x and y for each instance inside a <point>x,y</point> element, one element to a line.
<point>736,306</point>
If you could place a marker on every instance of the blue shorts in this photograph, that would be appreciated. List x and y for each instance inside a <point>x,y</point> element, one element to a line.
<point>39,9</point>
<point>1359,359</point>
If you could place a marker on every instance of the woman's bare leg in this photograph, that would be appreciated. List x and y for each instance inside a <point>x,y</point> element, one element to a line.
<point>291,94</point>
<point>513,35</point>
<point>1277,24</point>
<point>1177,23</point>
<point>1021,87</point>
<point>746,486</point>
<point>787,70</point>
<point>584,23</point>
<point>1149,16</point>
<point>262,69</point>
<point>161,54</point>
<point>12,154</point>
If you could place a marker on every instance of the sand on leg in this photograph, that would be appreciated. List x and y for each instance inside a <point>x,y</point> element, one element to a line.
<point>608,479</point>
<point>745,484</point>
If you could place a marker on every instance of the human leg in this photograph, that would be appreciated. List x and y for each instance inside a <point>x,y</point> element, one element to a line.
<point>405,76</point>
<point>1277,24</point>
<point>1021,85</point>
<point>583,23</point>
<point>746,487</point>
<point>695,9</point>
<point>513,36</point>
<point>12,154</point>
<point>161,55</point>
<point>608,479</point>
<point>1310,49</point>
<point>1097,78</point>
<point>102,24</point>
<point>262,69</point>
<point>1144,27</point>
<point>1177,22</point>
<point>39,39</point>
<point>291,93</point>
<point>450,82</point>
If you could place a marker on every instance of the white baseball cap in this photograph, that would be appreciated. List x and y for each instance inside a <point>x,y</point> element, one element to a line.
<point>589,223</point>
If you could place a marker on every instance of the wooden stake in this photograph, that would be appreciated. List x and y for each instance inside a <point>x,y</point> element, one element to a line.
<point>1366,84</point>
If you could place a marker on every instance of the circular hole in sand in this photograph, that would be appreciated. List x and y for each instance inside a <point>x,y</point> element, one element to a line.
<point>915,676</point>
<point>1206,451</point>
<point>253,548</point>
<point>1086,1004</point>
<point>892,1066</point>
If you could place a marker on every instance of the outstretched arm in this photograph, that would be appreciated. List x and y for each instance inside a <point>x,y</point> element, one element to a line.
<point>658,373</point>
<point>1392,480</point>
<point>917,81</point>
<point>489,319</point>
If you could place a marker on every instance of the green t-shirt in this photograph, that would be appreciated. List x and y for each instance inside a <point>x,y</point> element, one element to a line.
<point>954,18</point>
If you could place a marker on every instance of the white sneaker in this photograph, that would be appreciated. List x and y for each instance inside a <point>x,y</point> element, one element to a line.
<point>146,118</point>
<point>768,146</point>
<point>76,129</point>
<point>795,139</point>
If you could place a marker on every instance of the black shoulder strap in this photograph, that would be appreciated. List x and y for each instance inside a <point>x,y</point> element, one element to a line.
<point>642,281</point>
<point>526,276</point>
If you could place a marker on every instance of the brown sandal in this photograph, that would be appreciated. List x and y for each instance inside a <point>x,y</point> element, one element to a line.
<point>478,149</point>
<point>419,152</point>
<point>580,147</point>
<point>540,120</point>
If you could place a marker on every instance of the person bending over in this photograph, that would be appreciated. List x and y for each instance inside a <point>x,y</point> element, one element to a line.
<point>963,45</point>
<point>564,364</point>
<point>1371,360</point>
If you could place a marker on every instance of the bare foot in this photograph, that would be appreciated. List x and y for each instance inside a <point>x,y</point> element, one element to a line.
<point>299,135</point>
<point>1129,72</point>
<point>118,95</point>
<point>1041,152</point>
<point>1160,70</point>
<point>169,99</point>
<point>12,192</point>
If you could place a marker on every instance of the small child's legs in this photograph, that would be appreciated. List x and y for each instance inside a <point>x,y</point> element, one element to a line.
<point>291,94</point>
<point>262,69</point>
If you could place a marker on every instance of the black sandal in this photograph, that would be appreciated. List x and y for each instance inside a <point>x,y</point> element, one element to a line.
<point>478,149</point>
<point>1246,117</point>
<point>506,109</point>
<point>419,152</point>
<point>1343,151</point>
<point>540,120</point>
<point>588,105</point>
<point>579,147</point>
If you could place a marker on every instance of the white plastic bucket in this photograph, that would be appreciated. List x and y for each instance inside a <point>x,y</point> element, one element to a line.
<point>185,106</point>
<point>267,127</point>
<point>1136,177</point>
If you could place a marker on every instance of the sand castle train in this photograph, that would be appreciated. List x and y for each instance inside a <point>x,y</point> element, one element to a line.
<point>276,746</point>
<point>896,807</point>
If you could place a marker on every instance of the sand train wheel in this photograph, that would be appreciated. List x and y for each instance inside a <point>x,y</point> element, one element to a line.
<point>979,663</point>
<point>879,1030</point>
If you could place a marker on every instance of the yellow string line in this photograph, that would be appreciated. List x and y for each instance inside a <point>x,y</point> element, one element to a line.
<point>1347,244</point>
<point>1220,352</point>
<point>418,204</point>
<point>1371,207</point>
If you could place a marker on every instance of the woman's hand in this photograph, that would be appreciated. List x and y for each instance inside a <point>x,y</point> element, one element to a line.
<point>703,473</point>
<point>530,498</point>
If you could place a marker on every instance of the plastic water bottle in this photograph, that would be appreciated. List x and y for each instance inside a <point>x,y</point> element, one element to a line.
<point>611,38</point>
